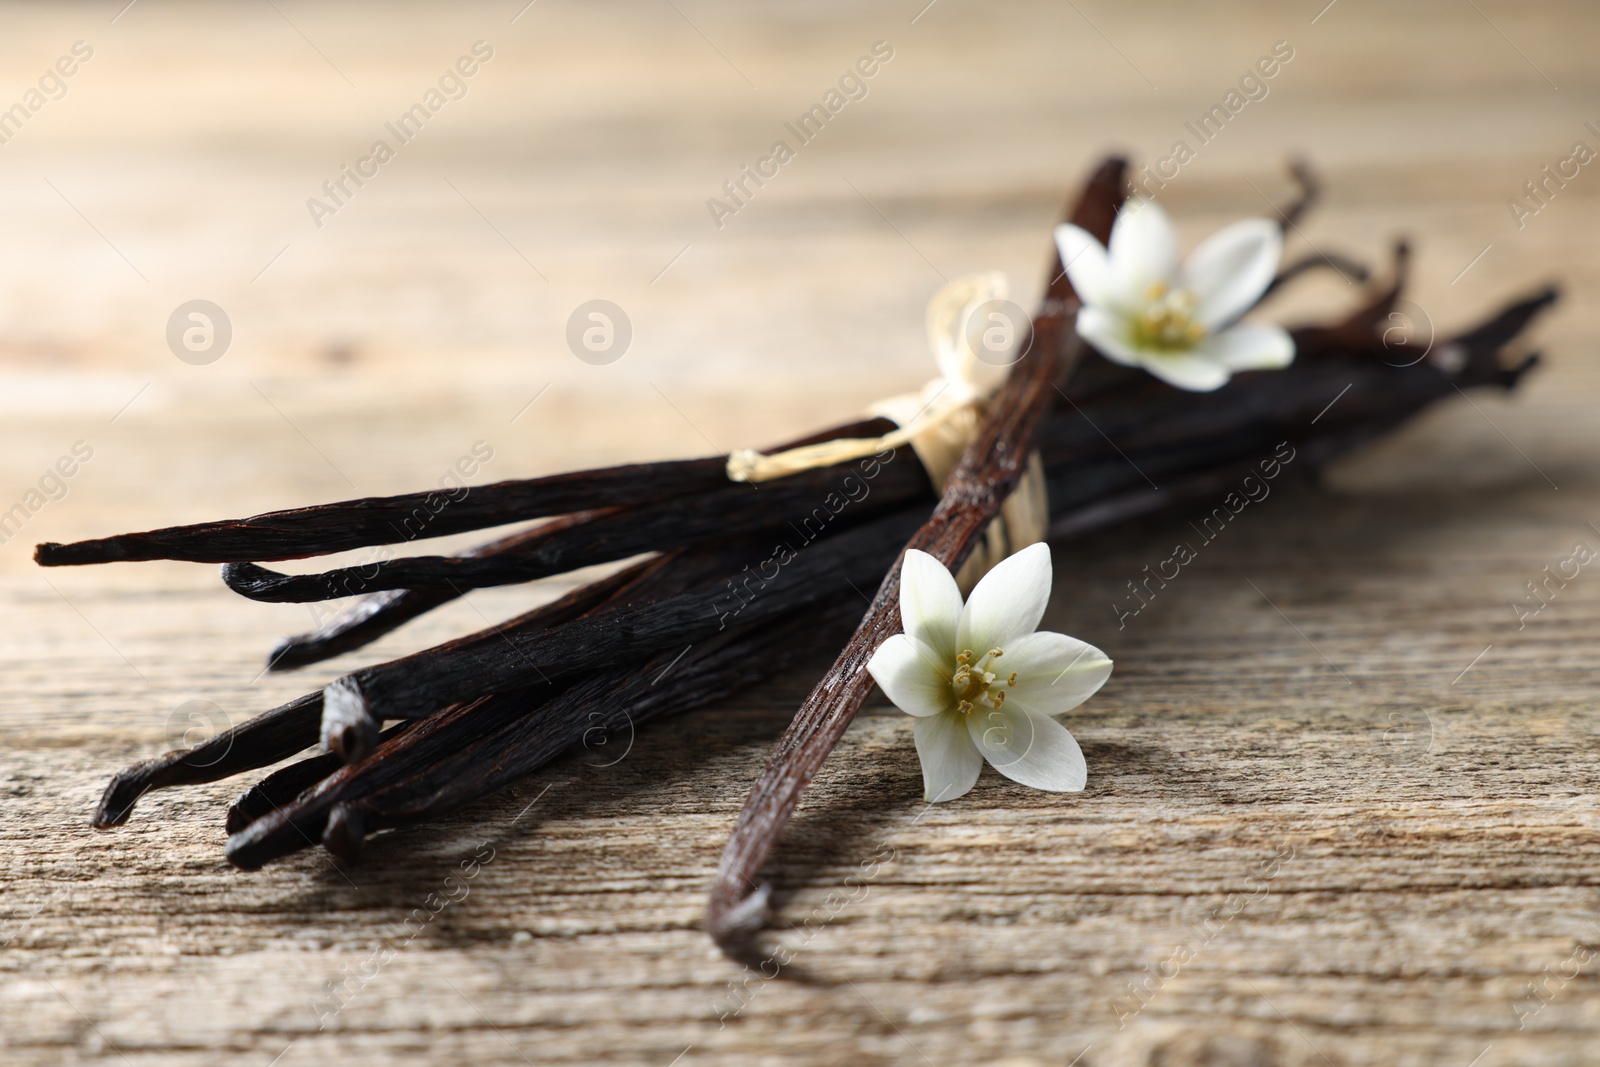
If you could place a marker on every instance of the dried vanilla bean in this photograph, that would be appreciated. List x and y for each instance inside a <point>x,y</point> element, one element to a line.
<point>423,683</point>
<point>469,751</point>
<point>1347,268</point>
<point>973,494</point>
<point>267,738</point>
<point>452,729</point>
<point>290,728</point>
<point>377,614</point>
<point>724,514</point>
<point>284,731</point>
<point>316,810</point>
<point>283,785</point>
<point>287,827</point>
<point>358,625</point>
<point>374,615</point>
<point>325,528</point>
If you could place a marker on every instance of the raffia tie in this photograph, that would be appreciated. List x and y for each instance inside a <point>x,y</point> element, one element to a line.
<point>939,422</point>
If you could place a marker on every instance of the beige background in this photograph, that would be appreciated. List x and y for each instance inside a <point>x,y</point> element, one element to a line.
<point>1433,826</point>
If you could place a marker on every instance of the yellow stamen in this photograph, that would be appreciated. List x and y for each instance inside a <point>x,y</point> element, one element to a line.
<point>1167,321</point>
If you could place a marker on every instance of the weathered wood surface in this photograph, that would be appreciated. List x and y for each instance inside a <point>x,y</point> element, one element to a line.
<point>1341,807</point>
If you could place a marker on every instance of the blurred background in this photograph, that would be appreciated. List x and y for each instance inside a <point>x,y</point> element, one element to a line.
<point>378,332</point>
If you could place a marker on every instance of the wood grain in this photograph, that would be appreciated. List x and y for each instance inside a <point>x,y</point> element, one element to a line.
<point>1341,808</point>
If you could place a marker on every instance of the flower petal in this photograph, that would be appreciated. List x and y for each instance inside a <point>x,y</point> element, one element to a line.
<point>1250,346</point>
<point>1107,332</point>
<point>1084,259</point>
<point>930,603</point>
<point>1028,747</point>
<point>905,670</point>
<point>1187,370</point>
<point>1232,268</point>
<point>1144,250</point>
<point>1055,673</point>
<point>1008,602</point>
<point>950,764</point>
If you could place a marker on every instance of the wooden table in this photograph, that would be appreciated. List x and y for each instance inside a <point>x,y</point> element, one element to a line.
<point>1341,804</point>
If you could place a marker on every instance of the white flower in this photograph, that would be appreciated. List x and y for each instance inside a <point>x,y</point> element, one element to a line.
<point>981,683</point>
<point>1142,309</point>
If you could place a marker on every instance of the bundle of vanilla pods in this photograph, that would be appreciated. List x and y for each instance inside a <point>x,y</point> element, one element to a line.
<point>705,612</point>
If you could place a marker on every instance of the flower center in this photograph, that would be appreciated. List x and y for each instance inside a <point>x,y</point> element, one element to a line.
<point>1167,321</point>
<point>976,684</point>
